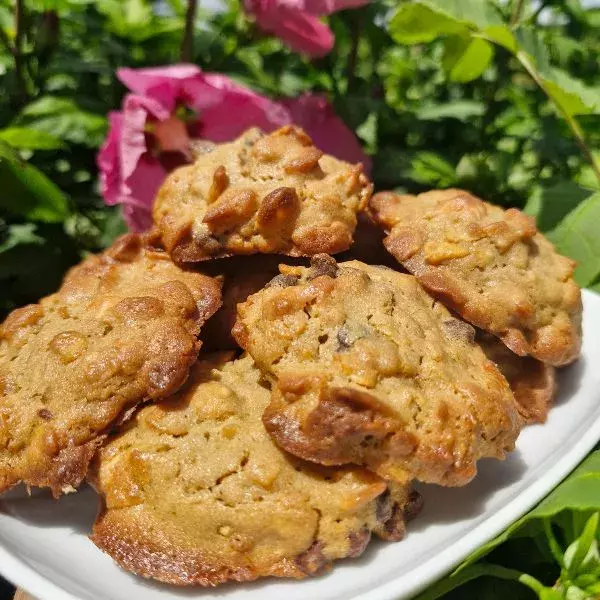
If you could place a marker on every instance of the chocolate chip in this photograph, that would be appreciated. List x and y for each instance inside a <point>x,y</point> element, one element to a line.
<point>460,330</point>
<point>413,506</point>
<point>312,560</point>
<point>359,540</point>
<point>45,414</point>
<point>283,281</point>
<point>322,264</point>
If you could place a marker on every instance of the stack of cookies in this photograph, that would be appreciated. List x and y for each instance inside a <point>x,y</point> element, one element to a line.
<point>246,405</point>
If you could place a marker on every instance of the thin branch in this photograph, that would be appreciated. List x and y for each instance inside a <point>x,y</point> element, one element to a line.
<point>353,55</point>
<point>186,53</point>
<point>516,15</point>
<point>18,50</point>
<point>570,120</point>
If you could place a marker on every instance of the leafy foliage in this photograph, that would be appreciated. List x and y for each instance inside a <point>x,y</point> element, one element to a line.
<point>558,541</point>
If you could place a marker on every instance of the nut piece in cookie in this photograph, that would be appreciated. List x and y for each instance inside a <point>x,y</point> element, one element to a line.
<point>490,265</point>
<point>266,194</point>
<point>122,329</point>
<point>532,382</point>
<point>196,493</point>
<point>366,368</point>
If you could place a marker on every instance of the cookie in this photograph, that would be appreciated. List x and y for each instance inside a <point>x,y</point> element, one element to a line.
<point>196,493</point>
<point>241,277</point>
<point>122,329</point>
<point>533,383</point>
<point>490,265</point>
<point>369,369</point>
<point>273,193</point>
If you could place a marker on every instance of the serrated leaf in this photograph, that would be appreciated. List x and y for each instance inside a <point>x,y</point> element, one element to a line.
<point>466,58</point>
<point>577,237</point>
<point>27,192</point>
<point>549,205</point>
<point>29,139</point>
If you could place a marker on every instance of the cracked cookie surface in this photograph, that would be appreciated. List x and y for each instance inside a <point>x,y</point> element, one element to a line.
<point>490,265</point>
<point>533,382</point>
<point>196,493</point>
<point>122,329</point>
<point>369,369</point>
<point>273,193</point>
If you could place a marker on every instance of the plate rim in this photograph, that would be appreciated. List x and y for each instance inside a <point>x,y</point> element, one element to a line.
<point>20,574</point>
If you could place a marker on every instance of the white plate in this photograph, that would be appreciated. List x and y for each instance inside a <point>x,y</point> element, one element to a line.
<point>44,548</point>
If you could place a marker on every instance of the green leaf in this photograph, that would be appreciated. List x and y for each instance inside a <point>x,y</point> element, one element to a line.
<point>462,110</point>
<point>431,169</point>
<point>549,205</point>
<point>416,23</point>
<point>29,139</point>
<point>20,234</point>
<point>501,35</point>
<point>575,97</point>
<point>426,20</point>
<point>577,237</point>
<point>466,58</point>
<point>63,119</point>
<point>27,192</point>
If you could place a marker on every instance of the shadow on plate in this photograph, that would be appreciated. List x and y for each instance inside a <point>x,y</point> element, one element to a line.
<point>568,381</point>
<point>76,511</point>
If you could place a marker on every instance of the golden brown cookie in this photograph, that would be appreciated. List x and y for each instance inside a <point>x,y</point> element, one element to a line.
<point>196,493</point>
<point>490,265</point>
<point>369,369</point>
<point>532,382</point>
<point>122,329</point>
<point>273,193</point>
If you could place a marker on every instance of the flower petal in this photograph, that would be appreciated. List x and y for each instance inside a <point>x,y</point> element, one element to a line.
<point>316,116</point>
<point>326,7</point>
<point>301,31</point>
<point>163,84</point>
<point>108,160</point>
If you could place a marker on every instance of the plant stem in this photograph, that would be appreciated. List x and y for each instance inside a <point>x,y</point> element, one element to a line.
<point>353,55</point>
<point>18,51</point>
<point>516,15</point>
<point>187,43</point>
<point>569,119</point>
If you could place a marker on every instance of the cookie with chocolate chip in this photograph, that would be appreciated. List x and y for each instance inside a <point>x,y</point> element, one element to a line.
<point>122,329</point>
<point>492,266</point>
<point>196,493</point>
<point>367,368</point>
<point>273,193</point>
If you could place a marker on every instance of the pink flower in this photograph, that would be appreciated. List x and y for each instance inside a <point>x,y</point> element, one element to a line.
<point>316,116</point>
<point>297,22</point>
<point>150,136</point>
